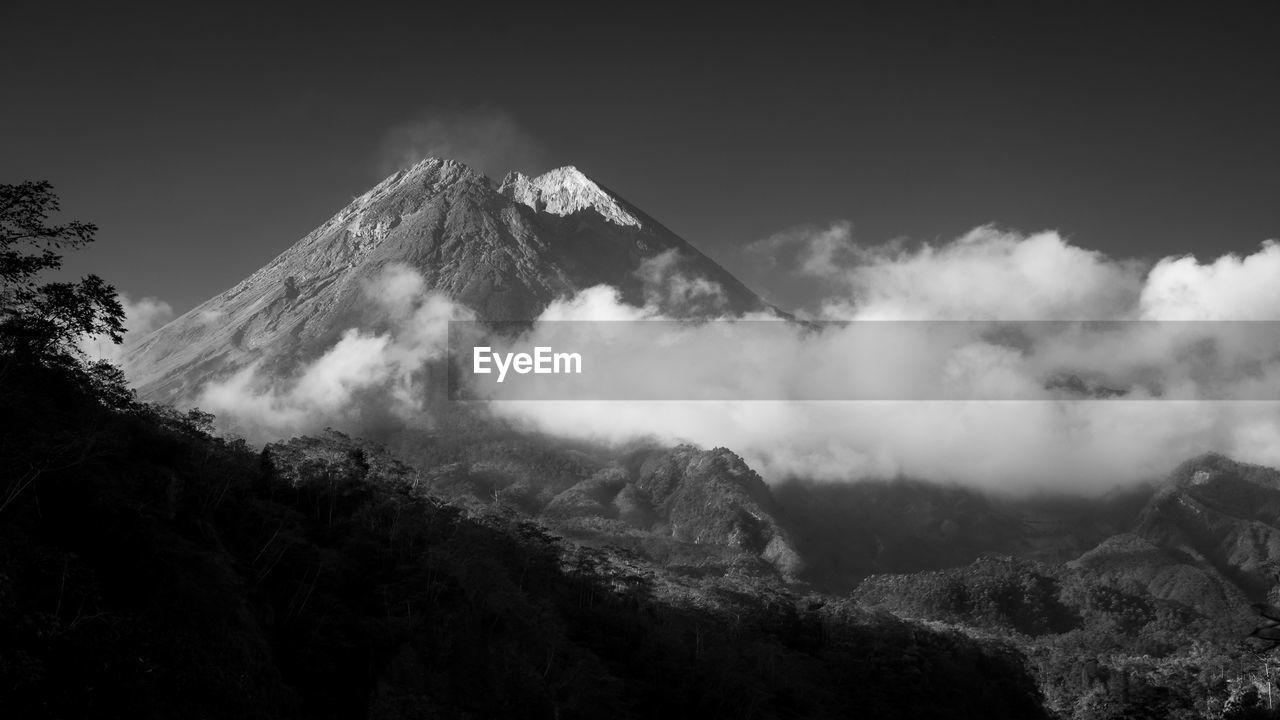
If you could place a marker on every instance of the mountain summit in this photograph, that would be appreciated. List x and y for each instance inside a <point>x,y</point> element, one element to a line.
<point>565,191</point>
<point>505,252</point>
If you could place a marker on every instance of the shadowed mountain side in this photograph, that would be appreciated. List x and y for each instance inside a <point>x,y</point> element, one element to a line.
<point>1222,518</point>
<point>846,531</point>
<point>1160,609</point>
<point>504,253</point>
<point>1099,640</point>
<point>1026,597</point>
<point>1130,561</point>
<point>1208,539</point>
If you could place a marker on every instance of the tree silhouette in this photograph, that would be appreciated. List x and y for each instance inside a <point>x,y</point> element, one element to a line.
<point>41,321</point>
<point>49,393</point>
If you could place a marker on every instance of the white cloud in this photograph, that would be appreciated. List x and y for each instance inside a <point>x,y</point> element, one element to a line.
<point>987,274</point>
<point>1229,288</point>
<point>362,375</point>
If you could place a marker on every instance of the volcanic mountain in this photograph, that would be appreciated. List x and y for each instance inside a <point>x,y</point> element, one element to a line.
<point>505,251</point>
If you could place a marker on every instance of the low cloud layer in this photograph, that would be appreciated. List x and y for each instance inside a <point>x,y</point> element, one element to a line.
<point>1037,440</point>
<point>488,140</point>
<point>1040,440</point>
<point>987,274</point>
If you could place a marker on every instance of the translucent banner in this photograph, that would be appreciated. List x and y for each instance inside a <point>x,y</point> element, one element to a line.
<point>864,361</point>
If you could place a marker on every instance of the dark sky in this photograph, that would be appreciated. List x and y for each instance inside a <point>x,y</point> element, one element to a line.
<point>206,139</point>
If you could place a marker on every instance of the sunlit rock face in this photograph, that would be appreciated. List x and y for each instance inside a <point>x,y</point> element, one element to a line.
<point>565,191</point>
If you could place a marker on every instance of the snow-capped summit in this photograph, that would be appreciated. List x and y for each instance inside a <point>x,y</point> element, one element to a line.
<point>564,191</point>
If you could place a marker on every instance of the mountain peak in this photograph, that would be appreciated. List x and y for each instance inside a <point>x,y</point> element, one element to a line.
<point>466,239</point>
<point>564,191</point>
<point>431,171</point>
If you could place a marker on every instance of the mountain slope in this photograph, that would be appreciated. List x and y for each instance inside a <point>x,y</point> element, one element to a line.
<point>504,252</point>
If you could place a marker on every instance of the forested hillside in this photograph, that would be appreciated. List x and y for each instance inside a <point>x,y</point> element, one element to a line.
<point>152,569</point>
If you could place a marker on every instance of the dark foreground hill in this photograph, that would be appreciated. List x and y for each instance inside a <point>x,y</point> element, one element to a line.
<point>151,570</point>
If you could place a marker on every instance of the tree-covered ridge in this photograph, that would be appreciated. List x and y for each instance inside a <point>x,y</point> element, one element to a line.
<point>1155,617</point>
<point>690,510</point>
<point>1100,645</point>
<point>177,574</point>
